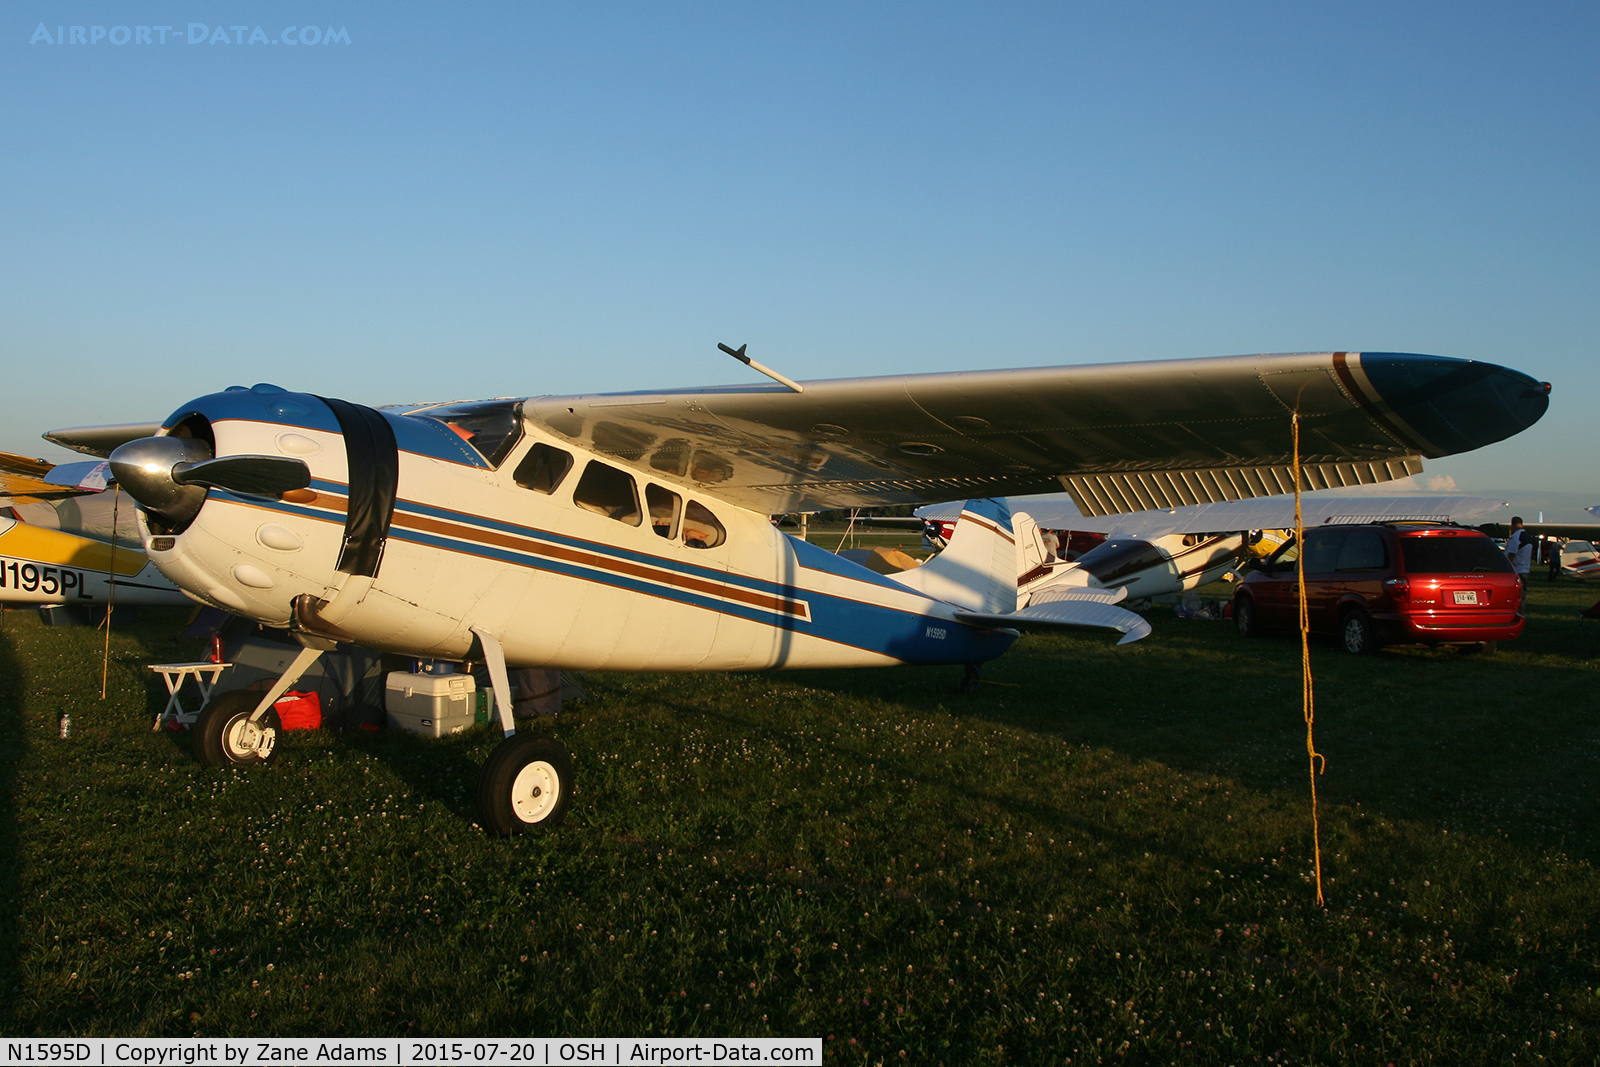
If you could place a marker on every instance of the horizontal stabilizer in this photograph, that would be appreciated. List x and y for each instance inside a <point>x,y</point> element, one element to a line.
<point>1074,613</point>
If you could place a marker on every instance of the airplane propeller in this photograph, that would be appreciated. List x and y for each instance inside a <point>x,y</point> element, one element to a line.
<point>251,475</point>
<point>170,475</point>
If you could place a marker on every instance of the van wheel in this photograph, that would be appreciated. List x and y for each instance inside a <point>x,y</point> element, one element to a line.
<point>1357,633</point>
<point>1244,617</point>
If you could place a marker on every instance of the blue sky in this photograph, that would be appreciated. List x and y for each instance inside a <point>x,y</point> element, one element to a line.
<point>524,199</point>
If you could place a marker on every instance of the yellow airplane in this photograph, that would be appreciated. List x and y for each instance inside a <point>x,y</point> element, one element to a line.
<point>45,566</point>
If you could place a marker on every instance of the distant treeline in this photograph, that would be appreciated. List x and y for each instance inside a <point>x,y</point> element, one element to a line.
<point>842,515</point>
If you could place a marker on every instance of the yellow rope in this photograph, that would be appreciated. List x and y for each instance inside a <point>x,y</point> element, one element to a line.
<point>111,591</point>
<point>1315,760</point>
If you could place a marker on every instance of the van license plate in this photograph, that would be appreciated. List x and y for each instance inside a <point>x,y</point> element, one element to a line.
<point>1469,596</point>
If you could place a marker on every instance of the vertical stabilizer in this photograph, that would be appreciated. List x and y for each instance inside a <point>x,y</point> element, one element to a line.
<point>978,569</point>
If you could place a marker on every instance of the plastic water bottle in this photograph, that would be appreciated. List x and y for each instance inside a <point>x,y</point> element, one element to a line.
<point>66,725</point>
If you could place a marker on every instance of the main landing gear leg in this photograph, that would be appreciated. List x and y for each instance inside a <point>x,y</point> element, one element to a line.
<point>236,729</point>
<point>526,782</point>
<point>494,657</point>
<point>971,679</point>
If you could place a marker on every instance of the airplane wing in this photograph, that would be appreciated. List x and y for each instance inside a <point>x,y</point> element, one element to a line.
<point>1056,511</point>
<point>1584,531</point>
<point>1117,437</point>
<point>27,481</point>
<point>101,440</point>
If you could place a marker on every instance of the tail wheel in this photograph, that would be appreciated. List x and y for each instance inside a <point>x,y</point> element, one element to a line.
<point>1357,634</point>
<point>1244,617</point>
<point>225,736</point>
<point>526,783</point>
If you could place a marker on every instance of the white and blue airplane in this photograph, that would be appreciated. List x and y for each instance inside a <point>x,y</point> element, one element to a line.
<point>632,531</point>
<point>1173,550</point>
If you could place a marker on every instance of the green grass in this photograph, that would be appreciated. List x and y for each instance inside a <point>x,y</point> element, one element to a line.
<point>1104,856</point>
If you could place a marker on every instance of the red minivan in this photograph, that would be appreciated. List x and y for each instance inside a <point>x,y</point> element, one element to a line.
<point>1388,583</point>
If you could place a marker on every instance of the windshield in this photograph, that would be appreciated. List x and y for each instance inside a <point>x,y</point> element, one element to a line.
<point>1453,554</point>
<point>491,427</point>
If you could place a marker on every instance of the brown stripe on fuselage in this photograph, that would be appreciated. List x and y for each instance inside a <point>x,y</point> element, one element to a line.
<point>459,531</point>
<point>602,562</point>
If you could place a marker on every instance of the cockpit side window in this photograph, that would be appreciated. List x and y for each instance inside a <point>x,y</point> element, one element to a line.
<point>664,506</point>
<point>543,468</point>
<point>491,427</point>
<point>701,528</point>
<point>607,491</point>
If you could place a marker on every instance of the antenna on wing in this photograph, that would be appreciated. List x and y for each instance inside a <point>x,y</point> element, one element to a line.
<point>768,371</point>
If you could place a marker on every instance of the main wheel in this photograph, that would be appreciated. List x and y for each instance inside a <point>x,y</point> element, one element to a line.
<point>225,736</point>
<point>1244,617</point>
<point>526,782</point>
<point>1357,634</point>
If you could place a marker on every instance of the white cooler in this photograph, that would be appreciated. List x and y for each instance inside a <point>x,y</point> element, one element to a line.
<point>432,705</point>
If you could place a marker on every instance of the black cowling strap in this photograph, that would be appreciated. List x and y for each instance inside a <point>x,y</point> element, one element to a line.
<point>373,459</point>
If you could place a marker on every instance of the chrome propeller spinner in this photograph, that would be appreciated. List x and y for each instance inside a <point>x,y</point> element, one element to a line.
<point>145,469</point>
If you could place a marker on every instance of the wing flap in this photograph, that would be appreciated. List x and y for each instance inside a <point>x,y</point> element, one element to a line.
<point>1115,494</point>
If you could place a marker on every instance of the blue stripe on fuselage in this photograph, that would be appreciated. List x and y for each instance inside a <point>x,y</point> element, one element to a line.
<point>895,632</point>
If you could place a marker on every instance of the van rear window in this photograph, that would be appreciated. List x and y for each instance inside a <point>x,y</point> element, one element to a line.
<point>1453,555</point>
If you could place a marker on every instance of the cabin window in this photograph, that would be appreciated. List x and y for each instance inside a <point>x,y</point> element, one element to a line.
<point>607,491</point>
<point>491,427</point>
<point>664,506</point>
<point>701,528</point>
<point>542,468</point>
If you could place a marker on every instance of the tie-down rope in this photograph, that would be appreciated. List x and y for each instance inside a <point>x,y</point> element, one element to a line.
<point>1316,762</point>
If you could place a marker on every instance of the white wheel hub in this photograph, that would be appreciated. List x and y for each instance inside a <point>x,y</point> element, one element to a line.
<point>535,791</point>
<point>246,740</point>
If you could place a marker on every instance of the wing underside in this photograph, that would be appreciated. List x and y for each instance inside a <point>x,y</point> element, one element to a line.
<point>1117,437</point>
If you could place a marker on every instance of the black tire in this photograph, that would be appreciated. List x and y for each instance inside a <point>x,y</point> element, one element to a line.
<point>517,782</point>
<point>224,738</point>
<point>1356,633</point>
<point>1244,617</point>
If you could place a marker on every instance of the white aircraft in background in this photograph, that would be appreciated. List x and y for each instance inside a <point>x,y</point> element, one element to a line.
<point>1173,550</point>
<point>631,531</point>
<point>57,545</point>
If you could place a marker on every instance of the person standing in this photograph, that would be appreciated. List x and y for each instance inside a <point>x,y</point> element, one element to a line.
<point>1519,550</point>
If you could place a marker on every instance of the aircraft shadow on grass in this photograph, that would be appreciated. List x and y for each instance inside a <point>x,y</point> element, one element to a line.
<point>13,747</point>
<point>1508,759</point>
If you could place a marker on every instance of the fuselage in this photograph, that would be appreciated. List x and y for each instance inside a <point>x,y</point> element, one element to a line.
<point>570,561</point>
<point>1171,563</point>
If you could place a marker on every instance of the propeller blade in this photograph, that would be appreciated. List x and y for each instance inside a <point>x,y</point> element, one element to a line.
<point>251,475</point>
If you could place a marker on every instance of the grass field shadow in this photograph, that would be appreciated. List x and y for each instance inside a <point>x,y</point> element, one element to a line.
<point>13,747</point>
